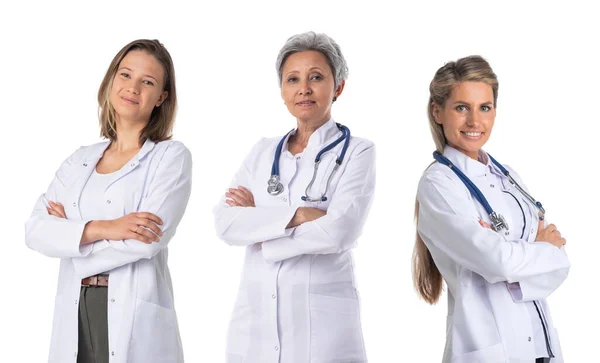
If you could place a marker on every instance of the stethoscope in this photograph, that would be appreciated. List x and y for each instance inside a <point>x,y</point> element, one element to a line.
<point>498,221</point>
<point>275,187</point>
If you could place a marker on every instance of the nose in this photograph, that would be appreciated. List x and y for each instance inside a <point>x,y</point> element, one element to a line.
<point>304,88</point>
<point>473,118</point>
<point>134,87</point>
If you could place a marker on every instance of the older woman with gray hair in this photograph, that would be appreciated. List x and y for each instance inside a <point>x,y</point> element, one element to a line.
<point>297,302</point>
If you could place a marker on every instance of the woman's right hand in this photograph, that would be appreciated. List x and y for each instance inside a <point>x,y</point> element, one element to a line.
<point>142,226</point>
<point>549,234</point>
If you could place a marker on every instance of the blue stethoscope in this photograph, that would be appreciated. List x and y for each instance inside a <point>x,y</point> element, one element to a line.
<point>274,184</point>
<point>498,221</point>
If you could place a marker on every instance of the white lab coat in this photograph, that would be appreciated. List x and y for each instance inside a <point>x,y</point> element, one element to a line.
<point>142,325</point>
<point>487,322</point>
<point>297,301</point>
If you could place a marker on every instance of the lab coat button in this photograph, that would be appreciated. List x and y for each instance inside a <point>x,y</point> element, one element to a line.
<point>108,201</point>
<point>76,302</point>
<point>529,339</point>
<point>491,185</point>
<point>132,165</point>
<point>276,347</point>
<point>298,157</point>
<point>274,296</point>
<point>112,300</point>
<point>84,164</point>
<point>75,354</point>
<point>284,199</point>
<point>74,204</point>
<point>112,353</point>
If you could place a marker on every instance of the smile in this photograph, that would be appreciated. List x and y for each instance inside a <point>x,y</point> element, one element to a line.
<point>129,100</point>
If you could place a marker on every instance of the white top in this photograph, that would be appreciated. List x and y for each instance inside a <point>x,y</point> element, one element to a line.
<point>142,325</point>
<point>92,203</point>
<point>492,277</point>
<point>297,301</point>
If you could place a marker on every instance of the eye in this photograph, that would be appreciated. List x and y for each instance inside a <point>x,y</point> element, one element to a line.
<point>461,108</point>
<point>149,83</point>
<point>486,108</point>
<point>316,77</point>
<point>292,79</point>
<point>124,75</point>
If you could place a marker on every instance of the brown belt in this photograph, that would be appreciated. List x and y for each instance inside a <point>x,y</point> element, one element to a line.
<point>96,280</point>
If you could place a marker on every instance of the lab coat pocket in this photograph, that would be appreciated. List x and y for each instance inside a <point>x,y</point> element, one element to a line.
<point>335,331</point>
<point>154,337</point>
<point>492,354</point>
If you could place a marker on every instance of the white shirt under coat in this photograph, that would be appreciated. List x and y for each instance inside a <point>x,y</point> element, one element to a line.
<point>492,278</point>
<point>142,325</point>
<point>297,301</point>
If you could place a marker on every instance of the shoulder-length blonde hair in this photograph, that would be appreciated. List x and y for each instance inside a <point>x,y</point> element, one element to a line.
<point>160,126</point>
<point>427,279</point>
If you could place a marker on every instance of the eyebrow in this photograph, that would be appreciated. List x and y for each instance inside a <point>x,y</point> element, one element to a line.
<point>145,75</point>
<point>467,103</point>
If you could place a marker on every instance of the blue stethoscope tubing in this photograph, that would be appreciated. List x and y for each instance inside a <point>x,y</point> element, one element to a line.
<point>498,222</point>
<point>275,187</point>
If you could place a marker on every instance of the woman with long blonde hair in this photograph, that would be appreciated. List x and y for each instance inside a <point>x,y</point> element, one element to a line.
<point>480,230</point>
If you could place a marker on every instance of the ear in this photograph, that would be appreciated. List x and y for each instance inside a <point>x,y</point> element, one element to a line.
<point>436,110</point>
<point>339,90</point>
<point>162,98</point>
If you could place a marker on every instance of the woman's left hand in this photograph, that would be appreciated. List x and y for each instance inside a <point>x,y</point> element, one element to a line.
<point>239,197</point>
<point>56,209</point>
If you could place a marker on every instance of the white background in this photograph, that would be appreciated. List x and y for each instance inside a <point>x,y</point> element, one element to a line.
<point>53,58</point>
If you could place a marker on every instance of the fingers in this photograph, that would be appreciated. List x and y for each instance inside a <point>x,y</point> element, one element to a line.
<point>484,224</point>
<point>148,224</point>
<point>148,234</point>
<point>233,203</point>
<point>551,228</point>
<point>153,217</point>
<point>243,198</point>
<point>58,209</point>
<point>248,194</point>
<point>139,237</point>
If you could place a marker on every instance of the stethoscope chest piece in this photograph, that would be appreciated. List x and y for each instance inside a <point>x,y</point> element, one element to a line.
<point>274,185</point>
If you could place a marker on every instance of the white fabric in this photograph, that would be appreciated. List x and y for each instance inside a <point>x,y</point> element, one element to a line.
<point>487,321</point>
<point>298,301</point>
<point>142,325</point>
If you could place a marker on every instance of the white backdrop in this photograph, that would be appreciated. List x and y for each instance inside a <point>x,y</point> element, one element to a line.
<point>54,56</point>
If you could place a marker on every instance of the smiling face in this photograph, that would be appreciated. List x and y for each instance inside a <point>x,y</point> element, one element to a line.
<point>308,86</point>
<point>137,87</point>
<point>467,117</point>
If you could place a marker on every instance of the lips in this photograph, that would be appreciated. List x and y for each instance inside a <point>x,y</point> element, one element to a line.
<point>472,134</point>
<point>130,100</point>
<point>305,103</point>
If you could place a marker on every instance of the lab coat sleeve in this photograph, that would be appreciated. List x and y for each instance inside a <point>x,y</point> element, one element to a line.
<point>167,197</point>
<point>540,286</point>
<point>50,235</point>
<point>243,226</point>
<point>448,222</point>
<point>339,229</point>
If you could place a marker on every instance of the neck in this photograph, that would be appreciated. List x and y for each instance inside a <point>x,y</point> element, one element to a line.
<point>305,129</point>
<point>128,135</point>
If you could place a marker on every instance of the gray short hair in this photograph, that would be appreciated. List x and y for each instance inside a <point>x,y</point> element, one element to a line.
<point>320,43</point>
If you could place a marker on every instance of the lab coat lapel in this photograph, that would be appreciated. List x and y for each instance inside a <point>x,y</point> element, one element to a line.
<point>84,170</point>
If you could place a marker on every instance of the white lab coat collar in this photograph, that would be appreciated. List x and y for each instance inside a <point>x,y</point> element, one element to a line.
<point>96,151</point>
<point>470,167</point>
<point>320,136</point>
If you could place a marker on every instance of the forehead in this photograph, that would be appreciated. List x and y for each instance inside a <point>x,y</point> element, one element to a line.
<point>140,61</point>
<point>305,60</point>
<point>472,91</point>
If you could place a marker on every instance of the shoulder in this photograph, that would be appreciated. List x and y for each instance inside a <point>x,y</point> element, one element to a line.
<point>170,150</point>
<point>360,145</point>
<point>438,177</point>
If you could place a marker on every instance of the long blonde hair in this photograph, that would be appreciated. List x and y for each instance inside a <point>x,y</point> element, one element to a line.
<point>427,278</point>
